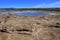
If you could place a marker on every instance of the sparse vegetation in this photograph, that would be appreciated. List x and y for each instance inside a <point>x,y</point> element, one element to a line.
<point>32,9</point>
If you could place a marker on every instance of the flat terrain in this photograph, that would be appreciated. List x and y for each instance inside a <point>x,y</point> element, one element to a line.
<point>30,27</point>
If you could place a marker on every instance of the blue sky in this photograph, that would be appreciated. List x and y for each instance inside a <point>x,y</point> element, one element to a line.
<point>29,3</point>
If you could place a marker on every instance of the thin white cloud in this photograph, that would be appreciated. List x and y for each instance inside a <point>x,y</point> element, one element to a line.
<point>44,5</point>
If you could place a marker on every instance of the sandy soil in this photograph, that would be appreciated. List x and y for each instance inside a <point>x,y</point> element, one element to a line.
<point>30,27</point>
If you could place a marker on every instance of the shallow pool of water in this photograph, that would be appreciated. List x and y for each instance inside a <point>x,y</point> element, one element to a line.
<point>33,13</point>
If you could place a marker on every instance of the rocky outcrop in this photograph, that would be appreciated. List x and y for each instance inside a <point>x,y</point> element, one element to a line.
<point>30,27</point>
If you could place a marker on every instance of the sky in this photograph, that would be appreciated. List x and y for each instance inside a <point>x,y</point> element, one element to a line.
<point>29,3</point>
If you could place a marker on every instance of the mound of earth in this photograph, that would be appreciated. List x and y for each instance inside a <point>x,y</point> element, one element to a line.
<point>30,27</point>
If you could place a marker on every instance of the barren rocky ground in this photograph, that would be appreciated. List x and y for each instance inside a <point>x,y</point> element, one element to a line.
<point>30,27</point>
